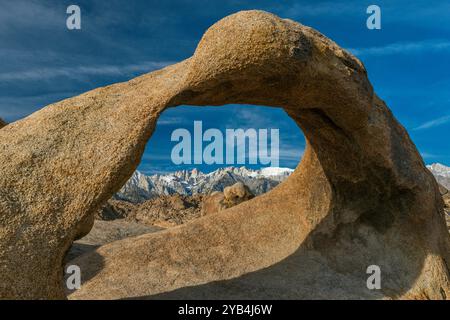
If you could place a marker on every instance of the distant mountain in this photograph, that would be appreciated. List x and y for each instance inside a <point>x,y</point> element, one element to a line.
<point>141,187</point>
<point>441,173</point>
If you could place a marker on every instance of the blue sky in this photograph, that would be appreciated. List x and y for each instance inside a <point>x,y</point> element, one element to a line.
<point>42,62</point>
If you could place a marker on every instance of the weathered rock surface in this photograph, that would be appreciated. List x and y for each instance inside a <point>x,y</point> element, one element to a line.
<point>360,196</point>
<point>167,211</point>
<point>2,123</point>
<point>230,197</point>
<point>237,193</point>
<point>213,203</point>
<point>446,197</point>
<point>116,209</point>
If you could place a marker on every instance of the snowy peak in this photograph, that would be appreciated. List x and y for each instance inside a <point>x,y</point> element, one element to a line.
<point>439,169</point>
<point>141,187</point>
<point>441,173</point>
<point>275,171</point>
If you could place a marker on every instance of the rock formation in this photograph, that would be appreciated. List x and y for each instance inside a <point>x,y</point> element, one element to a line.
<point>115,209</point>
<point>236,194</point>
<point>167,211</point>
<point>360,196</point>
<point>2,123</point>
<point>230,197</point>
<point>445,196</point>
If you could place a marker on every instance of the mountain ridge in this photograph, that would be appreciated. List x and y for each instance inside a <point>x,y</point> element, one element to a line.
<point>141,187</point>
<point>441,173</point>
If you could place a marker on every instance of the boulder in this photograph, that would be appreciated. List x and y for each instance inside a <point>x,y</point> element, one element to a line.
<point>361,195</point>
<point>167,211</point>
<point>236,194</point>
<point>231,196</point>
<point>213,203</point>
<point>116,209</point>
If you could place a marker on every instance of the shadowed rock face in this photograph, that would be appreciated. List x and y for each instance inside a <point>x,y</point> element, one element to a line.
<point>360,196</point>
<point>2,123</point>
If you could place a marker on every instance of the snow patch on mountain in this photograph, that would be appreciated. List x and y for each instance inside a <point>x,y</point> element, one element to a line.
<point>275,171</point>
<point>141,187</point>
<point>439,169</point>
<point>441,173</point>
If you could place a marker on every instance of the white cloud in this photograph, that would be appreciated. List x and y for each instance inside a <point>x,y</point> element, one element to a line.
<point>247,117</point>
<point>403,48</point>
<point>78,72</point>
<point>321,9</point>
<point>13,108</point>
<point>434,13</point>
<point>170,121</point>
<point>427,155</point>
<point>29,14</point>
<point>291,153</point>
<point>434,123</point>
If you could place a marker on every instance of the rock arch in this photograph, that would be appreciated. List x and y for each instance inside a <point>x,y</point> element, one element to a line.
<point>360,196</point>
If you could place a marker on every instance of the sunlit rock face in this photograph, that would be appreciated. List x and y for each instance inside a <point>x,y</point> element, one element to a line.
<point>361,195</point>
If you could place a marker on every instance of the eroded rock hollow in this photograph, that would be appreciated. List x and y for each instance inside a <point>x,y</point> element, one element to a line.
<point>360,196</point>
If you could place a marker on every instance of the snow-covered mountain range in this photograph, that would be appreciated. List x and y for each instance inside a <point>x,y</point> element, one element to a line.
<point>141,187</point>
<point>441,173</point>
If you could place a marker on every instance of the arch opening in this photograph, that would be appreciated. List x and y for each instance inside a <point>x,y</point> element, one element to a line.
<point>163,193</point>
